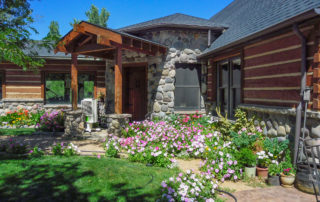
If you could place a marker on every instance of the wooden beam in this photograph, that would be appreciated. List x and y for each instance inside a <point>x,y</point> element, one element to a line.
<point>118,81</point>
<point>90,48</point>
<point>85,41</point>
<point>74,81</point>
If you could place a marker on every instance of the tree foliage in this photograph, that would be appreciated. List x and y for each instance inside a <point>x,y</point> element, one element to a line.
<point>95,17</point>
<point>53,36</point>
<point>15,31</point>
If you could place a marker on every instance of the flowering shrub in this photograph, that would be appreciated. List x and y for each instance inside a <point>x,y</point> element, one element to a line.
<point>264,159</point>
<point>159,142</point>
<point>53,121</point>
<point>65,150</point>
<point>112,148</point>
<point>15,148</point>
<point>20,118</point>
<point>36,152</point>
<point>189,187</point>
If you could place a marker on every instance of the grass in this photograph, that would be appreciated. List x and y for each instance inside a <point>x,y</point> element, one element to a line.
<point>51,178</point>
<point>17,131</point>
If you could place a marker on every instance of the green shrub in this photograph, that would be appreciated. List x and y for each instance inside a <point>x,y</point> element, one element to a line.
<point>243,140</point>
<point>36,152</point>
<point>246,158</point>
<point>274,169</point>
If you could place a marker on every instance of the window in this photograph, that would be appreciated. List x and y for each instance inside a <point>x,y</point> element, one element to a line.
<point>187,87</point>
<point>229,85</point>
<point>1,84</point>
<point>58,87</point>
<point>85,86</point>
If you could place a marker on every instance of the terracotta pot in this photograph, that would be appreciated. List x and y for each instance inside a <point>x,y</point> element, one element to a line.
<point>274,180</point>
<point>287,180</point>
<point>262,172</point>
<point>250,172</point>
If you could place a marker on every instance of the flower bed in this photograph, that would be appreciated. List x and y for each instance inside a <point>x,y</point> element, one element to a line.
<point>221,145</point>
<point>22,118</point>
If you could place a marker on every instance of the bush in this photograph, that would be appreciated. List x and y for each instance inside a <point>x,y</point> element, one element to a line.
<point>274,169</point>
<point>52,122</point>
<point>62,150</point>
<point>189,187</point>
<point>15,148</point>
<point>36,152</point>
<point>246,158</point>
<point>244,140</point>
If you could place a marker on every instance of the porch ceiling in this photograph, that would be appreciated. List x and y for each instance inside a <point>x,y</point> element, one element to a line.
<point>92,40</point>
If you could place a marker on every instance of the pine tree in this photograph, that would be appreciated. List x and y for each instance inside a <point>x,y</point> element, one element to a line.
<point>94,17</point>
<point>52,37</point>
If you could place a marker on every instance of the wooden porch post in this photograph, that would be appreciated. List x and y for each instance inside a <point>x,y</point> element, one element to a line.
<point>74,81</point>
<point>118,81</point>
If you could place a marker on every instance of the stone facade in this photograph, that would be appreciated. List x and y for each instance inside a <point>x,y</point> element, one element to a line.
<point>184,47</point>
<point>73,124</point>
<point>117,122</point>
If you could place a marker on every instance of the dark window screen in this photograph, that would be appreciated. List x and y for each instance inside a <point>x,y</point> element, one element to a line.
<point>187,87</point>
<point>1,82</point>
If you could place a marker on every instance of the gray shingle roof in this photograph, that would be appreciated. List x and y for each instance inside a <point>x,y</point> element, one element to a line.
<point>175,20</point>
<point>248,17</point>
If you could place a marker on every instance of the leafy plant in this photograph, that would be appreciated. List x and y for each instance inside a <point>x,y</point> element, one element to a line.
<point>112,149</point>
<point>223,125</point>
<point>243,122</point>
<point>62,150</point>
<point>275,147</point>
<point>286,165</point>
<point>16,148</point>
<point>243,140</point>
<point>274,169</point>
<point>36,152</point>
<point>246,158</point>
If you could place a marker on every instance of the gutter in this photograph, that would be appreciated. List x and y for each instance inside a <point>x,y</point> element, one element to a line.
<point>302,90</point>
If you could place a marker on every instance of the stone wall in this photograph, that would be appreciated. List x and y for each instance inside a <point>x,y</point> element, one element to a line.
<point>14,104</point>
<point>117,122</point>
<point>73,124</point>
<point>280,122</point>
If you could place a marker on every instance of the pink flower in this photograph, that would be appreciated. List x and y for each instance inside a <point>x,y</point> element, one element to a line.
<point>98,156</point>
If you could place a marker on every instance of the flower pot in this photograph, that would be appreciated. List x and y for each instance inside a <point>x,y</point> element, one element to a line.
<point>274,180</point>
<point>250,172</point>
<point>262,172</point>
<point>287,180</point>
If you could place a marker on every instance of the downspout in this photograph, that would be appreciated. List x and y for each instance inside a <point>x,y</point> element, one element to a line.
<point>302,90</point>
<point>209,37</point>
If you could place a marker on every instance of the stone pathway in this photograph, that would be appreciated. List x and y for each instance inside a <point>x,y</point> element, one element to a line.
<point>272,194</point>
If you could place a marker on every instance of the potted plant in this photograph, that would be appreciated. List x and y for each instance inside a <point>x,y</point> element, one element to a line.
<point>274,175</point>
<point>101,97</point>
<point>288,173</point>
<point>248,160</point>
<point>263,163</point>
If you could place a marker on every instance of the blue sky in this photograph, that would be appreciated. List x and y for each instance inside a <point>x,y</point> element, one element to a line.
<point>122,12</point>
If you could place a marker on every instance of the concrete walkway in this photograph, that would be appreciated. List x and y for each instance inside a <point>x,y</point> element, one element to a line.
<point>272,194</point>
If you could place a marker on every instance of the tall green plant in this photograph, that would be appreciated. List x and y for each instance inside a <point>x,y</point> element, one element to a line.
<point>243,122</point>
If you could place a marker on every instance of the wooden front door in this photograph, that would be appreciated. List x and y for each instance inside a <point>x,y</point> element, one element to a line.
<point>135,99</point>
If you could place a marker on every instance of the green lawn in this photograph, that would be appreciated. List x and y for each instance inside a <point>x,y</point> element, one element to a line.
<point>78,178</point>
<point>17,131</point>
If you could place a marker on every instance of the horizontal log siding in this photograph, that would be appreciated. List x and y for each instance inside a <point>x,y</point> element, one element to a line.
<point>272,70</point>
<point>27,84</point>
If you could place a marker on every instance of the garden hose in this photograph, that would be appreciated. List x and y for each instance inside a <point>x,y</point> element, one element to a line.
<point>235,199</point>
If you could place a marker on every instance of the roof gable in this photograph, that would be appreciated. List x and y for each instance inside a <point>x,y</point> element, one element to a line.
<point>248,17</point>
<point>175,20</point>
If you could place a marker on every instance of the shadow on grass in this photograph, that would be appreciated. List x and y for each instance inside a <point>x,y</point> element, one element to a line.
<point>49,182</point>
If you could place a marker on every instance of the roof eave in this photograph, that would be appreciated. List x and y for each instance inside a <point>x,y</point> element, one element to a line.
<point>297,19</point>
<point>133,30</point>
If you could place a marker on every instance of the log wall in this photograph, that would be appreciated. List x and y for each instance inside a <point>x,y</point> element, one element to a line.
<point>20,84</point>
